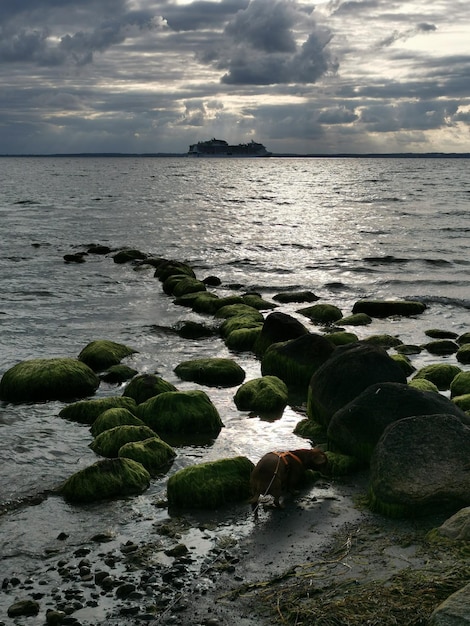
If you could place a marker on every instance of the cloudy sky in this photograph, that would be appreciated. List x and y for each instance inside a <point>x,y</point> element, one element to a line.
<point>298,75</point>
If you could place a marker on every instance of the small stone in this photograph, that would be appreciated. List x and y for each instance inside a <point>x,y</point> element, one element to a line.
<point>54,617</point>
<point>23,607</point>
<point>125,590</point>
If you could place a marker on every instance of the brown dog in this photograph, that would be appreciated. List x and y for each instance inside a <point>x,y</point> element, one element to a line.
<point>279,472</point>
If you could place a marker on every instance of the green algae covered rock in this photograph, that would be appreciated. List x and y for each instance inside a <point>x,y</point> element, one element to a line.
<point>463,401</point>
<point>117,374</point>
<point>296,360</point>
<point>118,416</point>
<point>40,380</point>
<point>206,302</point>
<point>257,302</point>
<point>295,296</point>
<point>235,310</point>
<point>153,453</point>
<point>188,285</point>
<point>309,429</point>
<point>215,372</point>
<point>145,386</point>
<point>181,413</point>
<point>86,411</point>
<point>463,354</point>
<point>243,339</point>
<point>441,374</point>
<point>322,313</point>
<point>356,319</point>
<point>278,327</point>
<point>389,308</point>
<point>108,478</point>
<point>441,347</point>
<point>423,385</point>
<point>463,338</point>
<point>341,337</point>
<point>341,464</point>
<point>102,353</point>
<point>239,322</point>
<point>168,268</point>
<point>109,442</point>
<point>405,364</point>
<point>265,396</point>
<point>384,340</point>
<point>460,385</point>
<point>210,485</point>
<point>124,256</point>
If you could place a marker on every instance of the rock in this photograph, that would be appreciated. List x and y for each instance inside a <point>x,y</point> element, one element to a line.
<point>210,485</point>
<point>167,268</point>
<point>117,374</point>
<point>187,329</point>
<point>214,372</point>
<point>212,281</point>
<point>257,302</point>
<point>384,340</point>
<point>408,349</point>
<point>278,327</point>
<point>463,401</point>
<point>41,380</point>
<point>423,384</point>
<point>460,384</point>
<point>455,611</point>
<point>239,310</point>
<point>420,465</point>
<point>188,285</point>
<point>264,396</point>
<point>102,354</point>
<point>111,418</point>
<point>153,453</point>
<point>341,338</point>
<point>106,479</point>
<point>296,360</point>
<point>23,607</point>
<point>181,413</point>
<point>441,374</point>
<point>54,617</point>
<point>345,374</point>
<point>437,333</point>
<point>357,319</point>
<point>389,308</point>
<point>441,347</point>
<point>241,322</point>
<point>464,338</point>
<point>205,302</point>
<point>109,442</point>
<point>243,339</point>
<point>87,411</point>
<point>457,527</point>
<point>145,386</point>
<point>357,427</point>
<point>125,256</point>
<point>463,354</point>
<point>295,296</point>
<point>322,313</point>
<point>405,364</point>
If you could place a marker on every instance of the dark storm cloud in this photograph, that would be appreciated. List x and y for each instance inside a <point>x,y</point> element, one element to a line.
<point>407,33</point>
<point>201,14</point>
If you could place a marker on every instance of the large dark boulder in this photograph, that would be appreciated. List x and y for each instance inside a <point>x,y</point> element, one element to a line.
<point>348,372</point>
<point>421,465</point>
<point>87,411</point>
<point>278,327</point>
<point>356,428</point>
<point>41,380</point>
<point>296,360</point>
<point>389,308</point>
<point>145,386</point>
<point>103,353</point>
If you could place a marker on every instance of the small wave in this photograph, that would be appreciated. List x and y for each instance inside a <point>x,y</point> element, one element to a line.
<point>437,262</point>
<point>389,258</point>
<point>456,302</point>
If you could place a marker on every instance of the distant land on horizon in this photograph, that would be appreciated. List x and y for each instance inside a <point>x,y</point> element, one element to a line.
<point>371,155</point>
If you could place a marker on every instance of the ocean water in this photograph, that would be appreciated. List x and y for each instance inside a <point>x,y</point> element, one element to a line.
<point>343,228</point>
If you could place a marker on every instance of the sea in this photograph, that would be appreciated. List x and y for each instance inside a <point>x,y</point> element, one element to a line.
<point>344,228</point>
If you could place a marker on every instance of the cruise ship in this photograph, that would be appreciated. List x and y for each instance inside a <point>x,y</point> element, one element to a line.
<point>220,148</point>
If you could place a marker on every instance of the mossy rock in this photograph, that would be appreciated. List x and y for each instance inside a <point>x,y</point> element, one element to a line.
<point>181,413</point>
<point>460,385</point>
<point>187,329</point>
<point>111,418</point>
<point>169,268</point>
<point>188,299</point>
<point>341,464</point>
<point>258,302</point>
<point>405,363</point>
<point>117,374</point>
<point>441,374</point>
<point>383,340</point>
<point>441,347</point>
<point>341,337</point>
<point>225,301</point>
<point>278,327</point>
<point>463,339</point>
<point>408,349</point>
<point>145,386</point>
<point>389,308</point>
<point>322,313</point>
<point>206,302</point>
<point>309,429</point>
<point>243,339</point>
<point>86,411</point>
<point>170,283</point>
<point>437,333</point>
<point>108,478</point>
<point>423,385</point>
<point>210,485</point>
<point>235,310</point>
<point>214,372</point>
<point>188,285</point>
<point>41,380</point>
<point>463,401</point>
<point>463,354</point>
<point>109,442</point>
<point>153,453</point>
<point>239,322</point>
<point>295,296</point>
<point>296,360</point>
<point>357,319</point>
<point>102,353</point>
<point>125,256</point>
<point>265,396</point>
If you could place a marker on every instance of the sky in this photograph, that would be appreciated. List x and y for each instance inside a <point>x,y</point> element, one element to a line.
<point>324,77</point>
